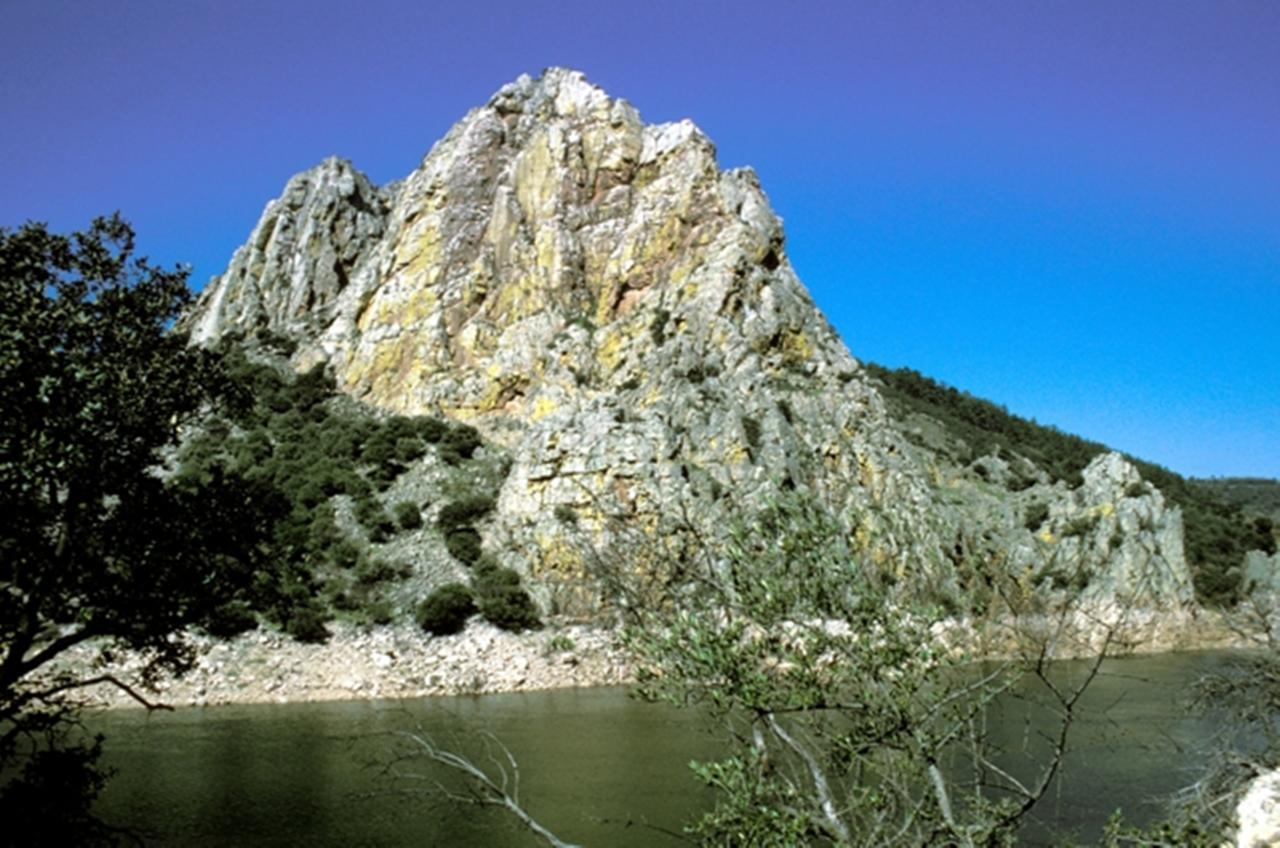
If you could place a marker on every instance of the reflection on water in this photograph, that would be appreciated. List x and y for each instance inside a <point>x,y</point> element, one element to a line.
<point>595,766</point>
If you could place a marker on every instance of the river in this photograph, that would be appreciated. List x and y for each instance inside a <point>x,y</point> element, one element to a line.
<point>596,766</point>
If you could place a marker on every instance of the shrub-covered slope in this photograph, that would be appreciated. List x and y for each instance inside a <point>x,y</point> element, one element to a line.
<point>354,486</point>
<point>1218,531</point>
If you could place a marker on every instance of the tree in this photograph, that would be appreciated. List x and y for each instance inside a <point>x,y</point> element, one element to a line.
<point>97,543</point>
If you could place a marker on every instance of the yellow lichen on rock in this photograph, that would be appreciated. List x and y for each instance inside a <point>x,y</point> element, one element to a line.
<point>542,407</point>
<point>796,347</point>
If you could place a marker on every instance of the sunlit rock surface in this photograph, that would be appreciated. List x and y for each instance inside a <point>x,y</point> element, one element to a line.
<point>597,296</point>
<point>1258,813</point>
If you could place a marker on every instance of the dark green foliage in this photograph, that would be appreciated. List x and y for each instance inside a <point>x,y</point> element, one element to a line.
<point>374,519</point>
<point>751,429</point>
<point>464,512</point>
<point>785,409</point>
<point>1036,515</point>
<point>409,449</point>
<point>294,439</point>
<point>502,601</point>
<point>1255,496</point>
<point>1079,526</point>
<point>48,804</point>
<point>230,619</point>
<point>310,388</point>
<point>95,388</point>
<point>510,609</point>
<point>459,443</point>
<point>463,543</point>
<point>430,430</point>
<point>277,342</point>
<point>408,516</point>
<point>344,554</point>
<point>1218,534</point>
<point>657,327</point>
<point>446,610</point>
<point>377,610</point>
<point>370,572</point>
<point>380,449</point>
<point>306,624</point>
<point>566,515</point>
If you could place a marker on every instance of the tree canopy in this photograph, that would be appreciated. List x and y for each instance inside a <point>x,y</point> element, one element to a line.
<point>98,542</point>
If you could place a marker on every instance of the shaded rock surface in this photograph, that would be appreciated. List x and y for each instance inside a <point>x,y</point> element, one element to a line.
<point>598,297</point>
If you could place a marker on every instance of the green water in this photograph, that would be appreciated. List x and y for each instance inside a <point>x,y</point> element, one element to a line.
<point>596,766</point>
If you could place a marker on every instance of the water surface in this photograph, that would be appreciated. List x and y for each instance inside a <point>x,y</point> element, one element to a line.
<point>596,766</point>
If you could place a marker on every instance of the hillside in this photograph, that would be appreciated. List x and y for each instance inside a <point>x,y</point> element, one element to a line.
<point>1256,496</point>
<point>1218,514</point>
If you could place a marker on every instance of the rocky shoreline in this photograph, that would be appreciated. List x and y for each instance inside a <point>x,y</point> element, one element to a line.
<point>401,661</point>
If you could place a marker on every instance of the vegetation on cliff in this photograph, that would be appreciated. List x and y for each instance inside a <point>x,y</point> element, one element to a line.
<point>1218,532</point>
<point>334,462</point>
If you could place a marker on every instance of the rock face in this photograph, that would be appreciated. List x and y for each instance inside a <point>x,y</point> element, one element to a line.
<point>599,298</point>
<point>1119,537</point>
<point>306,248</point>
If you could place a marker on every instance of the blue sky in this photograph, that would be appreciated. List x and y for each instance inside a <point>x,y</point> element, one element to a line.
<point>1071,208</point>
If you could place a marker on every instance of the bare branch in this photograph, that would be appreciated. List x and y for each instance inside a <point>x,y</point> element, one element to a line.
<point>486,791</point>
<point>820,785</point>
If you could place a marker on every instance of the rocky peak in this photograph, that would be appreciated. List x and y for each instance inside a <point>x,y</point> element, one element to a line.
<point>1118,529</point>
<point>302,254</point>
<point>599,297</point>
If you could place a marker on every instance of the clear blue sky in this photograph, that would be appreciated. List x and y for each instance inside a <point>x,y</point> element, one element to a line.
<point>1071,208</point>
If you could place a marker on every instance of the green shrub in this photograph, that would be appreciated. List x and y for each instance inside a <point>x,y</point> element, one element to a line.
<point>409,449</point>
<point>376,610</point>
<point>751,429</point>
<point>459,443</point>
<point>491,578</point>
<point>566,515</point>
<point>510,608</point>
<point>306,624</point>
<point>372,571</point>
<point>1036,515</point>
<point>277,342</point>
<point>323,533</point>
<point>502,601</point>
<point>310,388</point>
<point>560,643</point>
<point>379,449</point>
<point>657,327</point>
<point>408,516</point>
<point>230,620</point>
<point>463,543</point>
<point>430,430</point>
<point>1079,526</point>
<point>374,518</point>
<point>464,512</point>
<point>446,610</point>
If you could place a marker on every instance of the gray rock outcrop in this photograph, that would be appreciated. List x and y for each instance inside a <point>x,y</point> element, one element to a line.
<point>597,296</point>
